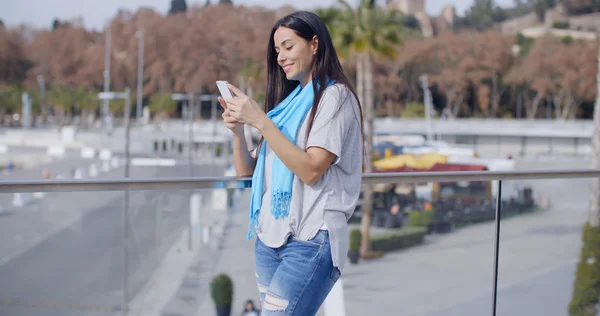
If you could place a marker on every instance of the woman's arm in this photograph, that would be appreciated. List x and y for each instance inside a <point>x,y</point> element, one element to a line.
<point>244,163</point>
<point>309,165</point>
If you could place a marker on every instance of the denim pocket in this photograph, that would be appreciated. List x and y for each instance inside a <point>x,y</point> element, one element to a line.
<point>307,242</point>
<point>320,239</point>
<point>335,274</point>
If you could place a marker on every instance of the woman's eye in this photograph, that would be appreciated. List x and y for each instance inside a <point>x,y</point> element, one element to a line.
<point>288,48</point>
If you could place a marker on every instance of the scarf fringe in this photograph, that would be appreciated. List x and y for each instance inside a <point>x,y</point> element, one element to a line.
<point>280,208</point>
<point>280,203</point>
<point>252,225</point>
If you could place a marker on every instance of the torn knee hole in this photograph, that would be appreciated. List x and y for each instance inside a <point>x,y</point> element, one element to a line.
<point>274,303</point>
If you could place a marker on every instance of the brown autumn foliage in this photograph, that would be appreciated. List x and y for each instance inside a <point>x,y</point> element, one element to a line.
<point>470,73</point>
<point>562,76</point>
<point>13,59</point>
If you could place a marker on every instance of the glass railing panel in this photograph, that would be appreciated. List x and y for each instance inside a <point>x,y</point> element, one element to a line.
<point>437,251</point>
<point>540,246</point>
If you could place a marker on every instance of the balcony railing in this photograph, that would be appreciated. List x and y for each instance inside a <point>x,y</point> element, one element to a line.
<point>138,254</point>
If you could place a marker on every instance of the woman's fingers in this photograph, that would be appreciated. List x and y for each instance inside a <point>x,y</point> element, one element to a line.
<point>238,93</point>
<point>229,119</point>
<point>222,102</point>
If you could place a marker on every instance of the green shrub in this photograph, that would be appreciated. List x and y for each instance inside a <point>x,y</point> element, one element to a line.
<point>413,109</point>
<point>421,218</point>
<point>355,239</point>
<point>567,40</point>
<point>586,289</point>
<point>221,289</point>
<point>398,239</point>
<point>415,219</point>
<point>428,217</point>
<point>525,43</point>
<point>563,25</point>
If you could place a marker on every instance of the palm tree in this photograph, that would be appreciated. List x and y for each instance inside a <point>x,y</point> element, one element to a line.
<point>87,101</point>
<point>249,75</point>
<point>162,104</point>
<point>62,98</point>
<point>364,33</point>
<point>586,290</point>
<point>10,99</point>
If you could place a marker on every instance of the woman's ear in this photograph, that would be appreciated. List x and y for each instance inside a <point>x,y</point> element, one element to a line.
<point>314,44</point>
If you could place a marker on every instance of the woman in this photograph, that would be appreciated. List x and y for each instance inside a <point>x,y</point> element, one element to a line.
<point>306,172</point>
<point>249,309</point>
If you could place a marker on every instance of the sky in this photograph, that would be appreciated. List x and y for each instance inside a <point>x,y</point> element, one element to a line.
<point>95,13</point>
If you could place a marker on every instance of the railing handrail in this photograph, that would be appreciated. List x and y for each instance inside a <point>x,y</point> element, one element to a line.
<point>190,183</point>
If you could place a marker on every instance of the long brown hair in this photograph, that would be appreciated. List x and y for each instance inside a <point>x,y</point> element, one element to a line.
<point>325,66</point>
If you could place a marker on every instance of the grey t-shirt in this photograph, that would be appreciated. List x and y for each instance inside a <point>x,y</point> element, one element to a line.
<point>329,203</point>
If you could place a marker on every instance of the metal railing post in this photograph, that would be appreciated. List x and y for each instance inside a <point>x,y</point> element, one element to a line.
<point>497,246</point>
<point>125,279</point>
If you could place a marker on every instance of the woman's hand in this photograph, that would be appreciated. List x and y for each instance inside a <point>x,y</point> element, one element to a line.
<point>245,110</point>
<point>230,122</point>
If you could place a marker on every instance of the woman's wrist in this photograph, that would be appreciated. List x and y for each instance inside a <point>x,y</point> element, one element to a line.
<point>262,123</point>
<point>238,131</point>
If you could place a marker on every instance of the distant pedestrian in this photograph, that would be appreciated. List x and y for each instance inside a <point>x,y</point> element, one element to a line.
<point>249,309</point>
<point>46,173</point>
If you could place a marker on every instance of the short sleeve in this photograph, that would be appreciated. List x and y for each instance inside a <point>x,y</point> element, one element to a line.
<point>334,118</point>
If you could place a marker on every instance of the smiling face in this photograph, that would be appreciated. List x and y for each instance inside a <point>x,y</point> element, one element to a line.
<point>294,54</point>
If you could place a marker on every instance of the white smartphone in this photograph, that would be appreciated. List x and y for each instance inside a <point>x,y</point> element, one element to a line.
<point>225,92</point>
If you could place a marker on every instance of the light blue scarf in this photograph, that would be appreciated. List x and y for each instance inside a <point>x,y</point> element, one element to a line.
<point>288,116</point>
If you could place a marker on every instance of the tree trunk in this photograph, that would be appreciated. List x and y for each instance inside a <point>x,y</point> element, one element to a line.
<point>495,97</point>
<point>365,83</point>
<point>457,105</point>
<point>568,104</point>
<point>44,109</point>
<point>586,289</point>
<point>519,105</point>
<point>532,108</point>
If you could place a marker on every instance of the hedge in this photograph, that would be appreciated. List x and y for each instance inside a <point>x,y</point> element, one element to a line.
<point>398,239</point>
<point>421,218</point>
<point>586,289</point>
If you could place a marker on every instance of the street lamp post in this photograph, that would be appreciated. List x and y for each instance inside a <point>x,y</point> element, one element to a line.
<point>43,107</point>
<point>427,104</point>
<point>190,105</point>
<point>106,75</point>
<point>140,78</point>
<point>110,95</point>
<point>107,96</point>
<point>190,100</point>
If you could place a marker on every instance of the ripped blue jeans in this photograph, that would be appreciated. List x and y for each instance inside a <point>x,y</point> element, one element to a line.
<point>295,278</point>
